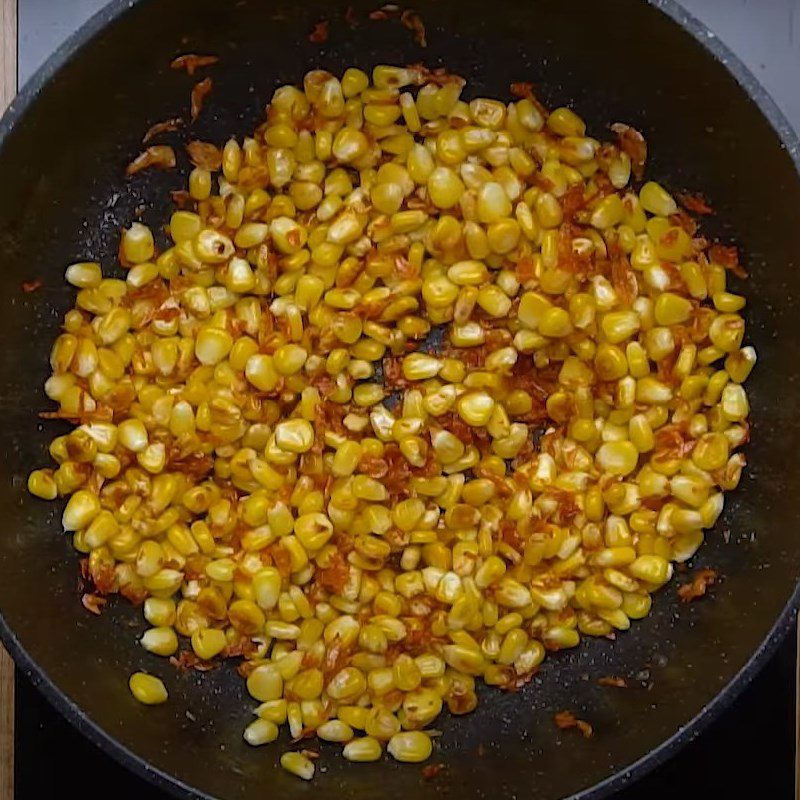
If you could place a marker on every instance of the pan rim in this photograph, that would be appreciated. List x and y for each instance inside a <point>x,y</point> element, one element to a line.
<point>788,137</point>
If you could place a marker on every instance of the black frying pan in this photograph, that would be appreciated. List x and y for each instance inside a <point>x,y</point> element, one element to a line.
<point>63,147</point>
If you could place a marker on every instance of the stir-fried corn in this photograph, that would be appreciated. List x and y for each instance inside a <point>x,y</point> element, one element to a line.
<point>274,455</point>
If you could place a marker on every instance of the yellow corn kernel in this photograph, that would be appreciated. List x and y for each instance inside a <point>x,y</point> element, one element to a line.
<point>297,764</point>
<point>147,689</point>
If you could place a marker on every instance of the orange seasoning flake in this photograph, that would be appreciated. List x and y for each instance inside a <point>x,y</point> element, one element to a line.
<point>159,156</point>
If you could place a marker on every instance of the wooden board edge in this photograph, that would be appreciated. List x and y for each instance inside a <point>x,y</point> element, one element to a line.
<point>8,88</point>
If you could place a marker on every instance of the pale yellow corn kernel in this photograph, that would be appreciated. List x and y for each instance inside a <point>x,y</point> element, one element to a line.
<point>80,510</point>
<point>475,408</point>
<point>566,122</point>
<point>617,458</point>
<point>651,568</point>
<point>444,188</point>
<point>137,243</point>
<point>363,749</point>
<point>265,683</point>
<point>619,325</point>
<point>147,689</point>
<point>208,642</point>
<point>656,200</point>
<point>297,764</point>
<point>41,484</point>
<point>294,436</point>
<point>273,711</point>
<point>260,731</point>
<point>84,275</point>
<point>672,309</point>
<point>410,746</point>
<point>161,641</point>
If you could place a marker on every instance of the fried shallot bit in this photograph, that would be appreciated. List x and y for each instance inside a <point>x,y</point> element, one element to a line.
<point>698,586</point>
<point>431,771</point>
<point>385,12</point>
<point>167,126</point>
<point>159,156</point>
<point>319,35</point>
<point>93,603</point>
<point>200,91</point>
<point>350,16</point>
<point>613,680</point>
<point>31,286</point>
<point>204,155</point>
<point>694,202</point>
<point>192,62</point>
<point>728,257</point>
<point>522,90</point>
<point>566,719</point>
<point>633,144</point>
<point>413,22</point>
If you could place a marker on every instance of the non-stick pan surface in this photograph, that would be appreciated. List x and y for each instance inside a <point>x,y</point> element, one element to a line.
<point>63,197</point>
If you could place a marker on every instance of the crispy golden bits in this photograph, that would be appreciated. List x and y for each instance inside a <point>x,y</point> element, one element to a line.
<point>421,390</point>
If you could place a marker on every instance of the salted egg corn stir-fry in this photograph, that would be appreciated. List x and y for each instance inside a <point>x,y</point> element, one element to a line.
<point>420,390</point>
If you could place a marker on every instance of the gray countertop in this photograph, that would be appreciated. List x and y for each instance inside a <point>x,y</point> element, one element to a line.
<point>765,34</point>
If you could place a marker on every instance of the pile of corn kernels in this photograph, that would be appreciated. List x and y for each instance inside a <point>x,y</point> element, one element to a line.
<point>421,390</point>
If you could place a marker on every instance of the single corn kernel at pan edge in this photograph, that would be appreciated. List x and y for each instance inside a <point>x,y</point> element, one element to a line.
<point>383,340</point>
<point>148,689</point>
<point>298,765</point>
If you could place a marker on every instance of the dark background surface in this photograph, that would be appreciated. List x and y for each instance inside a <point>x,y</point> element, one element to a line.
<point>747,752</point>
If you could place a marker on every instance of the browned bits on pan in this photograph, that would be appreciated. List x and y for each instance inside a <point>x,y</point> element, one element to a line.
<point>633,144</point>
<point>698,586</point>
<point>159,156</point>
<point>413,22</point>
<point>615,681</point>
<point>204,155</point>
<point>31,286</point>
<point>167,126</point>
<point>566,719</point>
<point>319,35</point>
<point>192,62</point>
<point>695,203</point>
<point>200,91</point>
<point>93,603</point>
